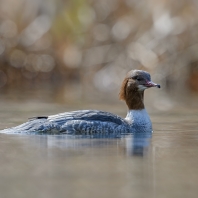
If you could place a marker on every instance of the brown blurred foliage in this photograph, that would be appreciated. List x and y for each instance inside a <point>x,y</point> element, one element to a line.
<point>90,44</point>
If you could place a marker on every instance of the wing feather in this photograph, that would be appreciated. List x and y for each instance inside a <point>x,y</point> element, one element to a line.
<point>89,115</point>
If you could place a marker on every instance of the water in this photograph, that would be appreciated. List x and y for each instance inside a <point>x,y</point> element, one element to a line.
<point>161,165</point>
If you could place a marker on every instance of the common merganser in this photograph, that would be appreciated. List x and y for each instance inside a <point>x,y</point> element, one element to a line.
<point>88,122</point>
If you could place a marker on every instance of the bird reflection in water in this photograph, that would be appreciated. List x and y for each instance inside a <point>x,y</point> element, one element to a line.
<point>133,144</point>
<point>138,144</point>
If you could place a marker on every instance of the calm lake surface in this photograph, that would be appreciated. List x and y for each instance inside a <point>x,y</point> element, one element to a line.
<point>161,165</point>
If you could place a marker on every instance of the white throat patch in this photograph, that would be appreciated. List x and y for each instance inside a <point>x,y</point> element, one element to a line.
<point>142,87</point>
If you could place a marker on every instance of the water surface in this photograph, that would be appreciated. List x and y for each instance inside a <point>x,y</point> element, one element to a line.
<point>164,164</point>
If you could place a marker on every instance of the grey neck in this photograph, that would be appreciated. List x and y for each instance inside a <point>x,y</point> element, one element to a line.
<point>139,119</point>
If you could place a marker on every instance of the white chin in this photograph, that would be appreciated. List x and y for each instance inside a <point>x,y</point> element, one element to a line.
<point>142,87</point>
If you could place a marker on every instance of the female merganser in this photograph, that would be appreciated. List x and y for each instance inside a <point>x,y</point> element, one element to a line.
<point>87,122</point>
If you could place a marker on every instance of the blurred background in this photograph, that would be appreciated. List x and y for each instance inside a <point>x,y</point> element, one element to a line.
<point>62,55</point>
<point>66,50</point>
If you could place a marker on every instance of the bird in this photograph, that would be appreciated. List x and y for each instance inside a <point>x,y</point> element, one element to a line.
<point>89,122</point>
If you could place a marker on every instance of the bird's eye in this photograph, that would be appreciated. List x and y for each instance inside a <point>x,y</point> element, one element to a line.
<point>137,78</point>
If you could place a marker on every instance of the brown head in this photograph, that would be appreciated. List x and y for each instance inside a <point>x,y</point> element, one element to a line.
<point>133,86</point>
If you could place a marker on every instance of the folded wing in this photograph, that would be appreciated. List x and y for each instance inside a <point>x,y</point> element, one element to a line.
<point>75,122</point>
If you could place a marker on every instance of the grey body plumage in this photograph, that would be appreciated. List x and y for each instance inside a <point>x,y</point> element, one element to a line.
<point>84,122</point>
